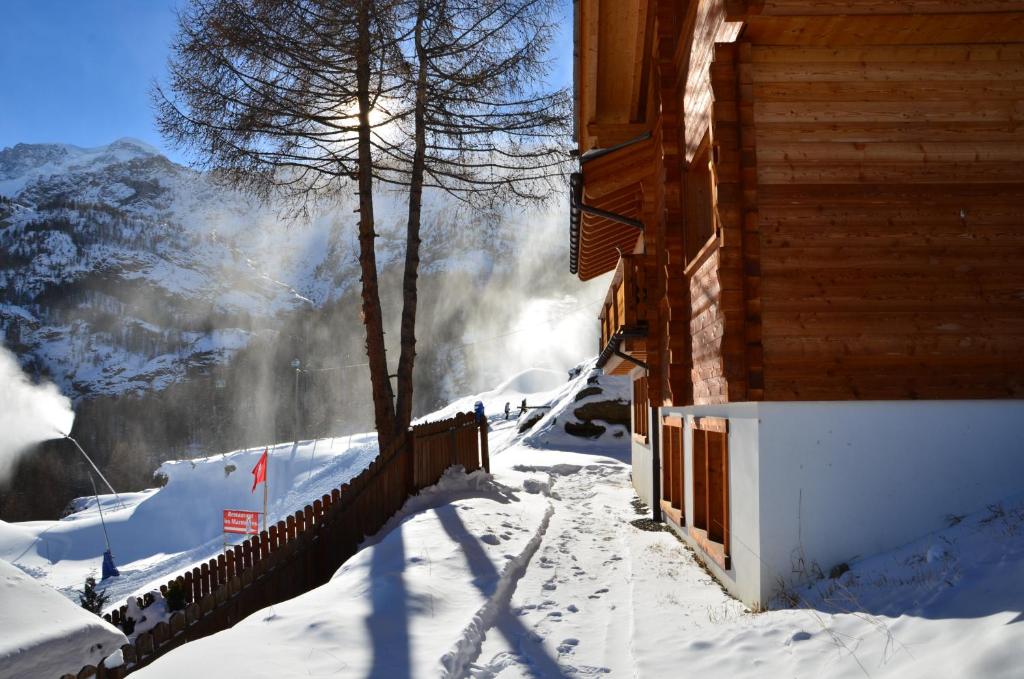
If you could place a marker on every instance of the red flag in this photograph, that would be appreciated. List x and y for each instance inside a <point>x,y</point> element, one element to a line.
<point>259,472</point>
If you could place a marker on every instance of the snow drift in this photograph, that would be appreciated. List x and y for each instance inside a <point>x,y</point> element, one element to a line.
<point>45,634</point>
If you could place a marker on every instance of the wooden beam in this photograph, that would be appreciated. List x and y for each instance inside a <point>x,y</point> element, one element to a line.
<point>872,7</point>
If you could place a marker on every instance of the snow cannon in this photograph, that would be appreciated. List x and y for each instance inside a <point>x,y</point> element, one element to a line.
<point>109,569</point>
<point>96,469</point>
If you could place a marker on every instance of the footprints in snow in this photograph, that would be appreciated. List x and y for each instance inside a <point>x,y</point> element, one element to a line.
<point>492,539</point>
<point>567,572</point>
<point>568,645</point>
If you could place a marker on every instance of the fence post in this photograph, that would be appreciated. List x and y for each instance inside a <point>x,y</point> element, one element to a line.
<point>485,456</point>
<point>264,545</point>
<point>275,539</point>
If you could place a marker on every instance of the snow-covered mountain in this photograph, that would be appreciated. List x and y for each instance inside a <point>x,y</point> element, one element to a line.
<point>121,271</point>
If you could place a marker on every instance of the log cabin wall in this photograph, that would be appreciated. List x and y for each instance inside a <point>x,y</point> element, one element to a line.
<point>865,189</point>
<point>674,308</point>
<point>704,305</point>
<point>889,212</point>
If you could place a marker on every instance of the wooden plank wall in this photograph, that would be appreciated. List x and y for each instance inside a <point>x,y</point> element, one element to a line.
<point>734,167</point>
<point>707,338</point>
<point>890,191</point>
<point>875,7</point>
<point>672,73</point>
<point>707,333</point>
<point>867,194</point>
<point>654,261</point>
<point>704,22</point>
<point>809,23</point>
<point>303,552</point>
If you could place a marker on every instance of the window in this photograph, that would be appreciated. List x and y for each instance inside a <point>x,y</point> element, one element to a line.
<point>710,525</point>
<point>641,409</point>
<point>672,469</point>
<point>700,215</point>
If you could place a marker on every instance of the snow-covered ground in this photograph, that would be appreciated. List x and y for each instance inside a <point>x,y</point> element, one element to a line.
<point>539,571</point>
<point>544,569</point>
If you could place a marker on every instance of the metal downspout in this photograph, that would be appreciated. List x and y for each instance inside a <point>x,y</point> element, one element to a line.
<point>655,464</point>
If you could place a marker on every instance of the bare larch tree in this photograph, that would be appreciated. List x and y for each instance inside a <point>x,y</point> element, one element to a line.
<point>300,100</point>
<point>484,127</point>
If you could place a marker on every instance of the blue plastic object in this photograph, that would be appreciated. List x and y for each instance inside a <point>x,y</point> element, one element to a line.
<point>109,569</point>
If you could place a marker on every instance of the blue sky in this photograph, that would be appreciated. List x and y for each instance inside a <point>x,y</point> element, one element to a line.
<point>79,71</point>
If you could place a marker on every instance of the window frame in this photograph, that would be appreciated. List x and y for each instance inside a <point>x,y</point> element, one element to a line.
<point>701,228</point>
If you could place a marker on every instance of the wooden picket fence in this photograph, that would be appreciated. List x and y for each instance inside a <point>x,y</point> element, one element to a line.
<point>303,552</point>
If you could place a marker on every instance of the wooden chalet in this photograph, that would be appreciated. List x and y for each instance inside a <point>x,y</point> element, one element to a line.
<point>812,214</point>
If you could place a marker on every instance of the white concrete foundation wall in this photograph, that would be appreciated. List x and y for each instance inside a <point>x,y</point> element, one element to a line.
<point>841,480</point>
<point>641,473</point>
<point>743,579</point>
<point>815,484</point>
<point>642,455</point>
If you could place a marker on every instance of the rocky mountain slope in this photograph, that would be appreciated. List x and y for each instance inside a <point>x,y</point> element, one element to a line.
<point>121,271</point>
<point>113,277</point>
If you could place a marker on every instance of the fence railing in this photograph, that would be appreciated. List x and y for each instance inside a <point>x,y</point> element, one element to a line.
<point>303,551</point>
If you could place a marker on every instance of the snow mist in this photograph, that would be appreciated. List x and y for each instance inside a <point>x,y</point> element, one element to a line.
<point>530,312</point>
<point>29,413</point>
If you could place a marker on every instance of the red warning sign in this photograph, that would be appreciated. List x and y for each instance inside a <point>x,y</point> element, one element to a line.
<point>240,521</point>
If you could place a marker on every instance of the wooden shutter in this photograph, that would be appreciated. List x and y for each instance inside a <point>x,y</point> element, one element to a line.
<point>672,475</point>
<point>710,526</point>
<point>641,409</point>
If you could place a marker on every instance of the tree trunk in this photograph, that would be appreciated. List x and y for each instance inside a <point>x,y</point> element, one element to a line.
<point>373,318</point>
<point>407,357</point>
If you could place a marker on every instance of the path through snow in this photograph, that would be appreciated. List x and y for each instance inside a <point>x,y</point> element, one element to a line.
<point>526,573</point>
<point>590,601</point>
<point>537,571</point>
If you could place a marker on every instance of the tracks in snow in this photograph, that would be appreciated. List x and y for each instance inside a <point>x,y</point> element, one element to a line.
<point>571,611</point>
<point>467,648</point>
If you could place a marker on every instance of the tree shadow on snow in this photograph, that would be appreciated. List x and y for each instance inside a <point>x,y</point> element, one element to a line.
<point>388,625</point>
<point>486,579</point>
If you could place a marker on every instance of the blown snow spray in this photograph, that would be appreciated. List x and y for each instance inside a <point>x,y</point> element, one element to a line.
<point>29,413</point>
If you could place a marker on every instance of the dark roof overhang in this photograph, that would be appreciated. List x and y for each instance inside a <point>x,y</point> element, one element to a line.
<point>604,205</point>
